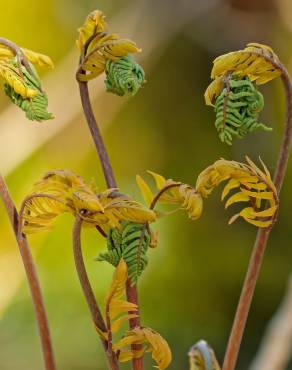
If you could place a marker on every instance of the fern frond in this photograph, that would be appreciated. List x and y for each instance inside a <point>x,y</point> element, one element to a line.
<point>257,62</point>
<point>173,192</point>
<point>202,357</point>
<point>124,76</point>
<point>252,184</point>
<point>237,109</point>
<point>153,341</point>
<point>12,77</point>
<point>94,23</point>
<point>105,209</point>
<point>108,52</point>
<point>131,243</point>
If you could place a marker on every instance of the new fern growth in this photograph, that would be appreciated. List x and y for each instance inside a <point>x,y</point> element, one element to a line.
<point>131,243</point>
<point>124,76</point>
<point>237,109</point>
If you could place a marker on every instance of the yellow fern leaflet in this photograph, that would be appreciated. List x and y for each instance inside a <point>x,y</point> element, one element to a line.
<point>154,343</point>
<point>172,192</point>
<point>63,191</point>
<point>251,184</point>
<point>11,75</point>
<point>94,23</point>
<point>257,62</point>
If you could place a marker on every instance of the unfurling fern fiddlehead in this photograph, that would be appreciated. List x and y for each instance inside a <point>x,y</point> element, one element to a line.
<point>130,242</point>
<point>35,108</point>
<point>202,357</point>
<point>124,76</point>
<point>237,109</point>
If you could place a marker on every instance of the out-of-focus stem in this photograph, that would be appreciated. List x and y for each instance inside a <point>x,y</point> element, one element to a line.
<point>32,278</point>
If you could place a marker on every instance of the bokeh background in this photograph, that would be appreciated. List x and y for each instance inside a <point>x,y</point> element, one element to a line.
<point>191,287</point>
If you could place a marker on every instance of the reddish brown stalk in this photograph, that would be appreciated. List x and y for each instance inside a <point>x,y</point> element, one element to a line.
<point>262,235</point>
<point>88,292</point>
<point>32,278</point>
<point>132,292</point>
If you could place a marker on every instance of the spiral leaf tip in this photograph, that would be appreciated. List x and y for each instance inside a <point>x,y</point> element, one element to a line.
<point>124,76</point>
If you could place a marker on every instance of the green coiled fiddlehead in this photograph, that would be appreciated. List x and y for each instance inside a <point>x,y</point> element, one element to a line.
<point>35,108</point>
<point>130,242</point>
<point>124,76</point>
<point>237,109</point>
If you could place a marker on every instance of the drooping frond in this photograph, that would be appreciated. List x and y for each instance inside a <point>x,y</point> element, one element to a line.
<point>153,343</point>
<point>35,107</point>
<point>253,186</point>
<point>172,192</point>
<point>202,357</point>
<point>131,243</point>
<point>108,52</point>
<point>257,62</point>
<point>237,109</point>
<point>105,209</point>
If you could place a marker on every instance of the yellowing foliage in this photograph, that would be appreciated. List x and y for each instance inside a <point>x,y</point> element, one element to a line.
<point>63,191</point>
<point>172,192</point>
<point>97,47</point>
<point>256,61</point>
<point>255,187</point>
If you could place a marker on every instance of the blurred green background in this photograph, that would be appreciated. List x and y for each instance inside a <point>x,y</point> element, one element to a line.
<point>191,287</point>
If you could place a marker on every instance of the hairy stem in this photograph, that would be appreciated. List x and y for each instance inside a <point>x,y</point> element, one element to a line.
<point>256,259</point>
<point>132,292</point>
<point>88,292</point>
<point>32,278</point>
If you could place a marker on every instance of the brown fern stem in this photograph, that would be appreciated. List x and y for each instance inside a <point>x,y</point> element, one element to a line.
<point>259,248</point>
<point>88,292</point>
<point>32,278</point>
<point>132,292</point>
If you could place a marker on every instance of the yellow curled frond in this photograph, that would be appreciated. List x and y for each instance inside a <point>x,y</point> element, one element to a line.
<point>258,62</point>
<point>63,191</point>
<point>104,47</point>
<point>248,184</point>
<point>11,75</point>
<point>153,342</point>
<point>202,357</point>
<point>94,23</point>
<point>121,208</point>
<point>172,192</point>
<point>97,47</point>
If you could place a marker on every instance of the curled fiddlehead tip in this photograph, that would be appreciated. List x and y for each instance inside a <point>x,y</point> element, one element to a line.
<point>235,97</point>
<point>237,109</point>
<point>101,51</point>
<point>124,76</point>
